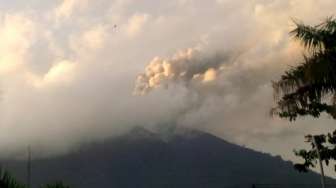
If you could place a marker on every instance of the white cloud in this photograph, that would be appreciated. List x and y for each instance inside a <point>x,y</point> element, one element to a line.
<point>95,37</point>
<point>89,40</point>
<point>136,23</point>
<point>67,8</point>
<point>61,73</point>
<point>17,34</point>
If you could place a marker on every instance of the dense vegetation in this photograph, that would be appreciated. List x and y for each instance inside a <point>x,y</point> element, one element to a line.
<point>309,89</point>
<point>8,181</point>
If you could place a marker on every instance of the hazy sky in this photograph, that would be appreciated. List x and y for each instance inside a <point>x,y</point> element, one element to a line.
<point>74,71</point>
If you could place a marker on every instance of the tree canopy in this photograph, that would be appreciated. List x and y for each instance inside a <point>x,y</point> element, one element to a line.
<point>310,87</point>
<point>8,181</point>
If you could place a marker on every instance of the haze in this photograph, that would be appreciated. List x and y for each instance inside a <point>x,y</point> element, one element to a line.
<point>76,71</point>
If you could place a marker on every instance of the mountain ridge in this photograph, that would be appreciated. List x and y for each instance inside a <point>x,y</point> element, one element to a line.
<point>143,158</point>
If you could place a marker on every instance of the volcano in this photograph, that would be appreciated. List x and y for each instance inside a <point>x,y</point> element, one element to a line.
<point>171,158</point>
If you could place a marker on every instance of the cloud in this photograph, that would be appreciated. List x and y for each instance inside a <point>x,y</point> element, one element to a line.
<point>136,23</point>
<point>186,66</point>
<point>16,34</point>
<point>257,49</point>
<point>209,75</point>
<point>94,38</point>
<point>68,7</point>
<point>90,39</point>
<point>68,76</point>
<point>60,73</point>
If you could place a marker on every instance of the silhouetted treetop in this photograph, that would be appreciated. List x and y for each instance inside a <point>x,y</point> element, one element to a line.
<point>310,87</point>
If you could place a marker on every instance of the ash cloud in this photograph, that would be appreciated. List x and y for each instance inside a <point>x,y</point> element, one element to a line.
<point>186,67</point>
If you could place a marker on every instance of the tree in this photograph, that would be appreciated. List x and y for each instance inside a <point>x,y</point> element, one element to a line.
<point>56,185</point>
<point>309,89</point>
<point>8,181</point>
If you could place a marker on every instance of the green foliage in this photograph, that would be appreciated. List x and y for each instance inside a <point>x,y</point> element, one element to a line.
<point>310,88</point>
<point>8,181</point>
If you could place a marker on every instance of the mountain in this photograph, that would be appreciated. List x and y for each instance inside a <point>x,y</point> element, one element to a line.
<point>170,158</point>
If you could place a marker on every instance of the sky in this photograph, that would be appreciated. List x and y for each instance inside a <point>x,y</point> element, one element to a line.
<point>76,71</point>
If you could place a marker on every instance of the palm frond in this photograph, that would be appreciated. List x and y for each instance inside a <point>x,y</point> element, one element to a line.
<point>316,38</point>
<point>308,35</point>
<point>310,87</point>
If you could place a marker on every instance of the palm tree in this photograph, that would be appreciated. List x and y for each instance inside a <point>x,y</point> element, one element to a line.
<point>310,87</point>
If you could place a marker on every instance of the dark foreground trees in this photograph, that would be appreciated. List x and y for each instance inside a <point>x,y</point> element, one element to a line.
<point>8,181</point>
<point>309,89</point>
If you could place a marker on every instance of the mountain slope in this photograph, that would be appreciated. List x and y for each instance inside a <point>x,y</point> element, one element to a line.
<point>172,158</point>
